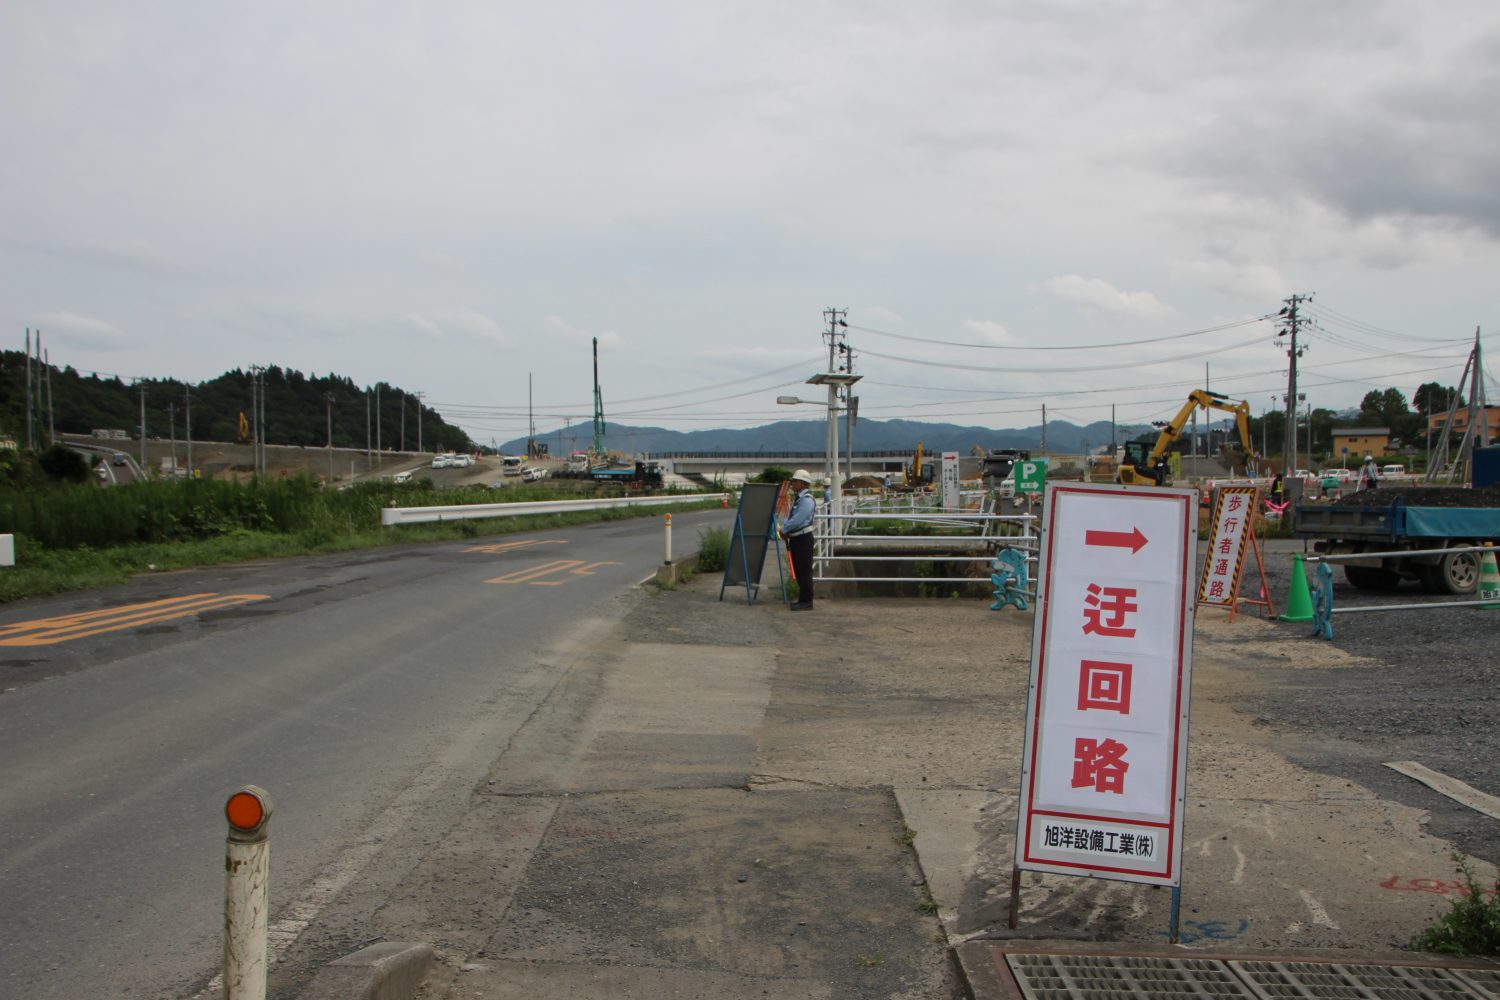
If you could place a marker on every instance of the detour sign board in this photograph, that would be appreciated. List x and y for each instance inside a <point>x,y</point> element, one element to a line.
<point>1103,774</point>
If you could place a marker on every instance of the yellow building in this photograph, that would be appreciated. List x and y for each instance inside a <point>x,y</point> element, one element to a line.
<point>1357,442</point>
<point>1435,421</point>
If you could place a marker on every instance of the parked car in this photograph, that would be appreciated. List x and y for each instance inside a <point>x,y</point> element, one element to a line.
<point>461,461</point>
<point>531,474</point>
<point>1342,475</point>
<point>442,461</point>
<point>1393,470</point>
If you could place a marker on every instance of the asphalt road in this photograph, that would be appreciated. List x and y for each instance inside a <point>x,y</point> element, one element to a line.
<point>368,693</point>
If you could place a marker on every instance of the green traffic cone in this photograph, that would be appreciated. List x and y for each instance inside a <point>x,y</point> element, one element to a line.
<point>1299,601</point>
<point>1489,580</point>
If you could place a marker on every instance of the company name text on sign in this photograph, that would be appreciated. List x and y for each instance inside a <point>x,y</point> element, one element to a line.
<point>1105,764</point>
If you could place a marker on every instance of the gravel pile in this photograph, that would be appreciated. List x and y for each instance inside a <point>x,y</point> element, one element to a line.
<point>1422,496</point>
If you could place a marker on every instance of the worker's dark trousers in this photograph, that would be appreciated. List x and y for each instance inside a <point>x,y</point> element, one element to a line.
<point>800,548</point>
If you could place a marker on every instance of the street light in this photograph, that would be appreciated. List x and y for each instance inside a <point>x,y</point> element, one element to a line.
<point>834,381</point>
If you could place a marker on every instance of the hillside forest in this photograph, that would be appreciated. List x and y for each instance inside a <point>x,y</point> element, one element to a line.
<point>298,408</point>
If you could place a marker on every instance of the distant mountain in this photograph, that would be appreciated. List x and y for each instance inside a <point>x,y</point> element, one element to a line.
<point>812,436</point>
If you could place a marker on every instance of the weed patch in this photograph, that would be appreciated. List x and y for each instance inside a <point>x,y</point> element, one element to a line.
<point>1472,924</point>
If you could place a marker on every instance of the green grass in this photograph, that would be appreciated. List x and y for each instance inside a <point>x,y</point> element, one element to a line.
<point>339,527</point>
<point>713,549</point>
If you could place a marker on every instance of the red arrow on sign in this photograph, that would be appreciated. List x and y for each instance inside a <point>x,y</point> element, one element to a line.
<point>1132,539</point>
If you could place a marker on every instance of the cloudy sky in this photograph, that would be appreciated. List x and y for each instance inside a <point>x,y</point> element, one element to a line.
<point>1082,204</point>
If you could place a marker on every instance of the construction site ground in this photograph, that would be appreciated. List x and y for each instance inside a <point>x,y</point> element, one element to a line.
<point>734,800</point>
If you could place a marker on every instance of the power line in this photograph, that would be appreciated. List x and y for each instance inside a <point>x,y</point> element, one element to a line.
<point>1052,369</point>
<point>573,408</point>
<point>1060,347</point>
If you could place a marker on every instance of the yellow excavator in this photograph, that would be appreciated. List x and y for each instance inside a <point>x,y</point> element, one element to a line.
<point>1142,467</point>
<point>919,474</point>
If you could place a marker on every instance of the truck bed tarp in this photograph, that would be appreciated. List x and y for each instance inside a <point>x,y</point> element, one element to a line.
<point>1452,522</point>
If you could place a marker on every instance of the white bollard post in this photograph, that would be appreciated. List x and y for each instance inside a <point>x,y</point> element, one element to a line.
<point>246,893</point>
<point>669,540</point>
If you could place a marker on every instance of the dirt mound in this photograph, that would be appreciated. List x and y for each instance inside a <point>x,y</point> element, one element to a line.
<point>1423,496</point>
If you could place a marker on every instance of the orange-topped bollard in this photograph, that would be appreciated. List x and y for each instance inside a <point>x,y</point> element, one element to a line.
<point>246,893</point>
<point>668,559</point>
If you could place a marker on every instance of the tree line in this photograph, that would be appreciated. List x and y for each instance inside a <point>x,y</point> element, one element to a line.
<point>297,408</point>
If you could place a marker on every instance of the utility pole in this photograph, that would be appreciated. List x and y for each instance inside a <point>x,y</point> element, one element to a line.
<point>143,430</point>
<point>255,417</point>
<point>1044,430</point>
<point>328,396</point>
<point>403,421</point>
<point>30,437</point>
<point>835,335</point>
<point>369,455</point>
<point>187,414</point>
<point>598,408</point>
<point>420,396</point>
<point>1291,328</point>
<point>47,372</point>
<point>172,433</point>
<point>377,419</point>
<point>265,430</point>
<point>530,421</point>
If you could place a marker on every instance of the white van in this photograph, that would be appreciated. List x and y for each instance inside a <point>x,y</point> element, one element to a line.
<point>1393,470</point>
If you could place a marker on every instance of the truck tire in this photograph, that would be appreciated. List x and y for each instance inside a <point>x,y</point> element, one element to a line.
<point>1371,578</point>
<point>1456,573</point>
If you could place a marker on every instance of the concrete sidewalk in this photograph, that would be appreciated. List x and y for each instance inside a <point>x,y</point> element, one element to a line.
<point>728,800</point>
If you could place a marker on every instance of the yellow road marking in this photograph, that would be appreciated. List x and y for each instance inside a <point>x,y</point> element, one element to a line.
<point>510,546</point>
<point>49,631</point>
<point>573,567</point>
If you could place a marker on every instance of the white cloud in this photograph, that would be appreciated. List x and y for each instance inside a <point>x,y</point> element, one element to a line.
<point>125,256</point>
<point>989,331</point>
<point>607,338</point>
<point>1106,298</point>
<point>426,326</point>
<point>876,316</point>
<point>76,331</point>
<point>1254,283</point>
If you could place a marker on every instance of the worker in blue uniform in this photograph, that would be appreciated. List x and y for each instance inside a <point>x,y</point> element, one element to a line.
<point>797,531</point>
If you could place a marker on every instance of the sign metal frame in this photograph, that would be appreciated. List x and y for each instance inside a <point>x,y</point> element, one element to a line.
<point>1094,531</point>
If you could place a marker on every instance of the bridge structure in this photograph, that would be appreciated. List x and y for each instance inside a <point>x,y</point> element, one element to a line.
<point>737,466</point>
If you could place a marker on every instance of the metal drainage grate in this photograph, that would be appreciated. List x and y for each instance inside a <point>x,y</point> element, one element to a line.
<point>1305,980</point>
<point>1105,977</point>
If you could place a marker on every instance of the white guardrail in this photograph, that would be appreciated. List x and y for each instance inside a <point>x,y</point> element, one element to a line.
<point>416,515</point>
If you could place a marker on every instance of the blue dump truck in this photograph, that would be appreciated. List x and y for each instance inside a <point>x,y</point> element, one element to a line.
<point>1390,522</point>
<point>641,476</point>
